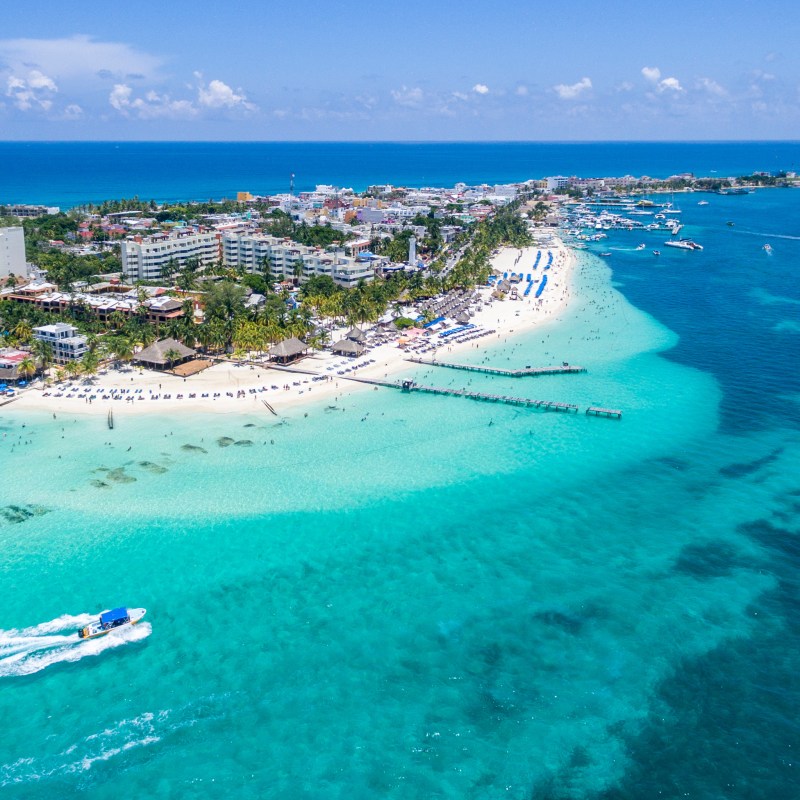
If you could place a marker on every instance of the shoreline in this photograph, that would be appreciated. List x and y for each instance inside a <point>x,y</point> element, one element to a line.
<point>232,388</point>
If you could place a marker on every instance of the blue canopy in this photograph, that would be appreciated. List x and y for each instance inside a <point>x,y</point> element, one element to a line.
<point>115,615</point>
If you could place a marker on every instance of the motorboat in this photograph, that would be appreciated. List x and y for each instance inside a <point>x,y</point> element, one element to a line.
<point>111,620</point>
<point>767,249</point>
<point>641,246</point>
<point>703,203</point>
<point>656,252</point>
<point>684,244</point>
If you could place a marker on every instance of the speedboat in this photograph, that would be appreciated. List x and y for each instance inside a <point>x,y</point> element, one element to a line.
<point>768,249</point>
<point>111,620</point>
<point>656,252</point>
<point>641,246</point>
<point>685,244</point>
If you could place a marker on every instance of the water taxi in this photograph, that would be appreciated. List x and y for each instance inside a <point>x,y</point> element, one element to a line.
<point>111,620</point>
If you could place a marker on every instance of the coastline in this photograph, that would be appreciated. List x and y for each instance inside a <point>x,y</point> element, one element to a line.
<point>241,388</point>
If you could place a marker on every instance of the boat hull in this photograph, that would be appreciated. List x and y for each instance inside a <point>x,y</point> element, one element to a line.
<point>96,630</point>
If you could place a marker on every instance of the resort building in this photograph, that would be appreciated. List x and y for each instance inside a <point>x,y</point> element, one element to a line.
<point>149,258</point>
<point>291,260</point>
<point>12,252</point>
<point>66,342</point>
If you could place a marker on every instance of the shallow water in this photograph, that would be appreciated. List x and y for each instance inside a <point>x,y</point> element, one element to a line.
<point>419,596</point>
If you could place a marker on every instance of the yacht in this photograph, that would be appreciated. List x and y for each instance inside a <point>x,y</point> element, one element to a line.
<point>685,244</point>
<point>111,620</point>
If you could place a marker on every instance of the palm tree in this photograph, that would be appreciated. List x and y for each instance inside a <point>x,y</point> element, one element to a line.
<point>172,355</point>
<point>23,330</point>
<point>26,368</point>
<point>72,368</point>
<point>90,362</point>
<point>43,352</point>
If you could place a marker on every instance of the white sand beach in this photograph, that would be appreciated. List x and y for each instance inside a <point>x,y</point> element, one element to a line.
<point>232,388</point>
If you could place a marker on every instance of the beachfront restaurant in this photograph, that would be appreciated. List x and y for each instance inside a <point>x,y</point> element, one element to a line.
<point>288,350</point>
<point>347,347</point>
<point>155,356</point>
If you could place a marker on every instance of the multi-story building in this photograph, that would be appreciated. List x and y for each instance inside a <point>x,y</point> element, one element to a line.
<point>12,252</point>
<point>289,259</point>
<point>67,343</point>
<point>152,257</point>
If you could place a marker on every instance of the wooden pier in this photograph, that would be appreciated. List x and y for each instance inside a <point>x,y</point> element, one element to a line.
<point>596,411</point>
<point>564,369</point>
<point>525,402</point>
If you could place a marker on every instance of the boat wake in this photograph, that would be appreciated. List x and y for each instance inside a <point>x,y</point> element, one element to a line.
<point>30,650</point>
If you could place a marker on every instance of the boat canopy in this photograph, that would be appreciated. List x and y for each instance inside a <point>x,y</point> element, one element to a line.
<point>115,615</point>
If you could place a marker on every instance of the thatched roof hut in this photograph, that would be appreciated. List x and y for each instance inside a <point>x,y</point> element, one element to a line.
<point>347,347</point>
<point>288,350</point>
<point>356,335</point>
<point>155,356</point>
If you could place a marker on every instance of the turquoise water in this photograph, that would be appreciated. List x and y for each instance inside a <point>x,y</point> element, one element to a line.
<point>416,596</point>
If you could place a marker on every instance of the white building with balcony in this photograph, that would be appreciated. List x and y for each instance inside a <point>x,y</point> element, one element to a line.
<point>153,257</point>
<point>67,344</point>
<point>289,259</point>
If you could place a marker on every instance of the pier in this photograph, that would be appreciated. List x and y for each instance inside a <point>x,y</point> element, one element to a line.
<point>564,369</point>
<point>596,411</point>
<point>411,386</point>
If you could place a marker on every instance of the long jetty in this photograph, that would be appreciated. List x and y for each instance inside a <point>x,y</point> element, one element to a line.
<point>411,386</point>
<point>564,369</point>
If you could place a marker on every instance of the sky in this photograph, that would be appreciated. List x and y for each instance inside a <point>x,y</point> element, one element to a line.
<point>473,70</point>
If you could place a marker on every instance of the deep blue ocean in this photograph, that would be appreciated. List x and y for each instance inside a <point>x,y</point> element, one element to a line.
<point>67,174</point>
<point>407,596</point>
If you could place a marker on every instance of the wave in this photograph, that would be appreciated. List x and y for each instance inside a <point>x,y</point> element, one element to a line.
<point>30,650</point>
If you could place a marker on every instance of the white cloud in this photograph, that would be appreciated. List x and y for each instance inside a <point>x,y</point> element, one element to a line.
<point>78,57</point>
<point>670,85</point>
<point>33,91</point>
<point>625,86</point>
<point>521,91</point>
<point>480,88</point>
<point>73,111</point>
<point>712,87</point>
<point>460,96</point>
<point>411,98</point>
<point>651,74</point>
<point>151,106</point>
<point>573,90</point>
<point>219,95</point>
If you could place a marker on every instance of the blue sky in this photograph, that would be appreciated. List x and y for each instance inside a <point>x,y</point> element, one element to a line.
<point>398,70</point>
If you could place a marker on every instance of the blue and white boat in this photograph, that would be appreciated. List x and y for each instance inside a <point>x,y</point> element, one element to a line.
<point>111,620</point>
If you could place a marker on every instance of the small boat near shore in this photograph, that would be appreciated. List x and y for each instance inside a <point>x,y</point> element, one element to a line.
<point>111,621</point>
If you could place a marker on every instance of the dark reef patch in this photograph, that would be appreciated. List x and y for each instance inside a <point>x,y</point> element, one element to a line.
<point>708,560</point>
<point>193,448</point>
<point>749,467</point>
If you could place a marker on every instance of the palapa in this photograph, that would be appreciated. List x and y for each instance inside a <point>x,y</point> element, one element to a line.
<point>156,353</point>
<point>288,349</point>
<point>347,347</point>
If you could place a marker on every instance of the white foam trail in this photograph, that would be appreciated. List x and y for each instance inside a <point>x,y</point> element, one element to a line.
<point>28,662</point>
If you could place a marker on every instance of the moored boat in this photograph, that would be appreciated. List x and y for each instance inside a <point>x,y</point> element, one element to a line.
<point>111,620</point>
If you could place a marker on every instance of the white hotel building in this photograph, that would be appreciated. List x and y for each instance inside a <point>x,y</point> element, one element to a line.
<point>248,251</point>
<point>153,257</point>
